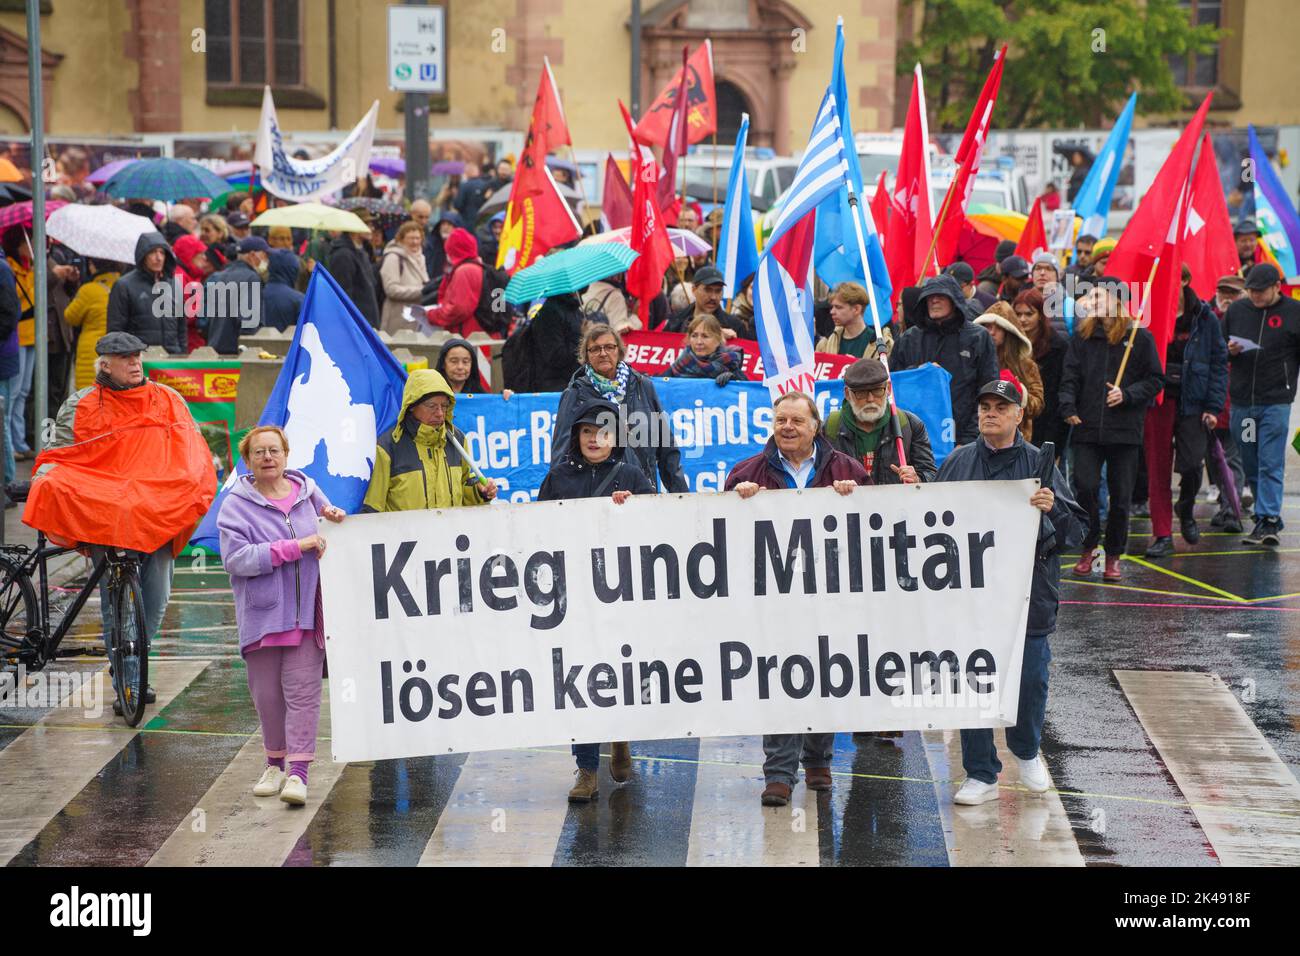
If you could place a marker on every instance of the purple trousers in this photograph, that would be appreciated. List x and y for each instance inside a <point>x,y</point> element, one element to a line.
<point>286,686</point>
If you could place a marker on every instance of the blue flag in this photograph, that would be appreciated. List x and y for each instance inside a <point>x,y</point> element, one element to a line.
<point>340,388</point>
<point>1092,202</point>
<point>835,247</point>
<point>1279,226</point>
<point>737,247</point>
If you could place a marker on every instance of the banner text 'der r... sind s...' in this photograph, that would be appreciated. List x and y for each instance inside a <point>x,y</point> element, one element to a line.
<point>669,616</point>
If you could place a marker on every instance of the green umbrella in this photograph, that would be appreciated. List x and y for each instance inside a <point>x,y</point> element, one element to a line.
<point>164,178</point>
<point>568,271</point>
<point>312,215</point>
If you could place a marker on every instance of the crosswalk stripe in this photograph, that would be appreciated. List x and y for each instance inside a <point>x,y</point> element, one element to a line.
<point>729,827</point>
<point>1017,829</point>
<point>236,828</point>
<point>1222,763</point>
<point>40,772</point>
<point>507,809</point>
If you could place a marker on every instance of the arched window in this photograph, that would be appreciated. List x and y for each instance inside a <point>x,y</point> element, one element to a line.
<point>731,104</point>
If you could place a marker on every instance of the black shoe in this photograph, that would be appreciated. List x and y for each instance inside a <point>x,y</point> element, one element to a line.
<point>1270,531</point>
<point>1160,548</point>
<point>1231,525</point>
<point>1191,533</point>
<point>1220,519</point>
<point>1256,536</point>
<point>149,698</point>
<point>1140,510</point>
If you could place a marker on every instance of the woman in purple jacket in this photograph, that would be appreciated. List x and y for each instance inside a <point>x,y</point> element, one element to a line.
<point>270,550</point>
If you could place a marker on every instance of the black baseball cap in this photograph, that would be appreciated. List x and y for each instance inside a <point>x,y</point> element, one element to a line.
<point>237,220</point>
<point>708,275</point>
<point>1246,227</point>
<point>253,244</point>
<point>962,272</point>
<point>1003,389</point>
<point>1015,266</point>
<point>1262,275</point>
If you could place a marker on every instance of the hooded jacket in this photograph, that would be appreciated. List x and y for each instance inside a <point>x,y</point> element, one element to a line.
<point>89,312</point>
<point>404,277</point>
<point>541,355</point>
<point>916,446</point>
<point>281,301</point>
<point>1019,354</point>
<point>352,269</point>
<point>1058,531</point>
<point>474,384</point>
<point>766,471</point>
<point>1090,365</point>
<point>572,476</point>
<point>460,288</point>
<point>415,466</point>
<point>644,415</point>
<point>1266,375</point>
<point>958,345</point>
<point>131,302</point>
<point>1204,385</point>
<point>189,250</point>
<point>269,599</point>
<point>435,256</point>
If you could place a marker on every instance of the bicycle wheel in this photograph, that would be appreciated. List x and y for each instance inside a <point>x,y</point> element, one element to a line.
<point>129,642</point>
<point>17,607</point>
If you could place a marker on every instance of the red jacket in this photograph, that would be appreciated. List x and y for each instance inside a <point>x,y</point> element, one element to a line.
<point>829,465</point>
<point>460,289</point>
<point>188,249</point>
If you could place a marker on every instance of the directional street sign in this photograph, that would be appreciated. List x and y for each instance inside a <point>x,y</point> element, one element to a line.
<point>417,49</point>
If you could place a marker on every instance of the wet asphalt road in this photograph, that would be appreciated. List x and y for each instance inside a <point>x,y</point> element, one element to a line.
<point>1218,607</point>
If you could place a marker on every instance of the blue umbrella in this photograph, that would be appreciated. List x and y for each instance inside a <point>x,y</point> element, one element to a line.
<point>167,179</point>
<point>568,271</point>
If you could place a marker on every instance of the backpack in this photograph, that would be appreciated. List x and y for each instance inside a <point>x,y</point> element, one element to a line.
<point>517,370</point>
<point>593,313</point>
<point>492,312</point>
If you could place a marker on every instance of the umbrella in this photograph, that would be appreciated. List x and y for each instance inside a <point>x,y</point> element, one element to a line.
<point>569,270</point>
<point>100,232</point>
<point>108,170</point>
<point>8,171</point>
<point>13,192</point>
<point>166,179</point>
<point>448,167</point>
<point>20,213</point>
<point>389,213</point>
<point>996,221</point>
<point>1227,485</point>
<point>501,198</point>
<point>236,168</point>
<point>684,242</point>
<point>312,215</point>
<point>388,165</point>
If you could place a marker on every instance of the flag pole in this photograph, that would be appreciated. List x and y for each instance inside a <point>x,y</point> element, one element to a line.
<point>582,190</point>
<point>713,256</point>
<point>1137,321</point>
<point>934,238</point>
<point>875,321</point>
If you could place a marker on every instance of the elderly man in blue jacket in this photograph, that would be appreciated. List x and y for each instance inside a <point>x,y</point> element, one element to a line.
<point>1000,453</point>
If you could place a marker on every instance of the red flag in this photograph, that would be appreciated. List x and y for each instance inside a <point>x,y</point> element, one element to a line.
<point>1034,238</point>
<point>880,205</point>
<point>616,201</point>
<point>1156,231</point>
<point>967,159</point>
<point>701,102</point>
<point>650,238</point>
<point>674,145</point>
<point>537,218</point>
<point>911,228</point>
<point>1208,245</point>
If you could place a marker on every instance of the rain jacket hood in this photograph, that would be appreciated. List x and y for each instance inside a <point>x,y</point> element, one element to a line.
<point>461,245</point>
<point>282,267</point>
<point>472,384</point>
<point>188,249</point>
<point>420,384</point>
<point>148,242</point>
<point>948,287</point>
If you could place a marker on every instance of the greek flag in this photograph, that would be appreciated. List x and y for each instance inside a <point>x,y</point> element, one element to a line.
<point>783,311</point>
<point>737,247</point>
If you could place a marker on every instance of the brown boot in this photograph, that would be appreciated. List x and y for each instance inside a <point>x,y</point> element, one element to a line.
<point>817,778</point>
<point>776,794</point>
<point>1084,568</point>
<point>586,788</point>
<point>1112,572</point>
<point>620,762</point>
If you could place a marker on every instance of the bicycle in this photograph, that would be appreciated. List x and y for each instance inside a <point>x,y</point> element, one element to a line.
<point>26,637</point>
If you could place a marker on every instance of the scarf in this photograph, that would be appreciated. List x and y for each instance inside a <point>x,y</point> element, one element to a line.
<point>866,439</point>
<point>690,365</point>
<point>104,379</point>
<point>613,389</point>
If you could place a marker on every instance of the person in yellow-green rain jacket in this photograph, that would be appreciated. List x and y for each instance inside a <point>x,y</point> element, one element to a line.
<point>415,466</point>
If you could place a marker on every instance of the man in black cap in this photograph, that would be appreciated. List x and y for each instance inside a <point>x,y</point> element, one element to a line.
<point>707,284</point>
<point>1000,453</point>
<point>862,428</point>
<point>351,266</point>
<point>239,226</point>
<point>944,334</point>
<point>232,298</point>
<point>1263,332</point>
<point>1015,276</point>
<point>1246,235</point>
<point>991,276</point>
<point>965,276</point>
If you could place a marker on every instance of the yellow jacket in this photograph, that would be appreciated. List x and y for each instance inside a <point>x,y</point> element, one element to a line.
<point>25,277</point>
<point>89,310</point>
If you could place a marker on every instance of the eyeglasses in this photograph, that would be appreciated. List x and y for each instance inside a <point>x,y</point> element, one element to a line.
<point>266,453</point>
<point>435,404</point>
<point>877,392</point>
<point>601,349</point>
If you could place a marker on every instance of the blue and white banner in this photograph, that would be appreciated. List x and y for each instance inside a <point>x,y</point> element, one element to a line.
<point>510,440</point>
<point>305,180</point>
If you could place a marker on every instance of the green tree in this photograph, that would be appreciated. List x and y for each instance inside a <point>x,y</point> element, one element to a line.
<point>1069,62</point>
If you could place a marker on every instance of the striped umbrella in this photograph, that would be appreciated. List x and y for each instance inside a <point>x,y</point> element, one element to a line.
<point>167,179</point>
<point>20,213</point>
<point>569,270</point>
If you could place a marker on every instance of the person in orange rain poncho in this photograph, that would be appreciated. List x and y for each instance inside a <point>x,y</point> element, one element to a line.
<point>127,468</point>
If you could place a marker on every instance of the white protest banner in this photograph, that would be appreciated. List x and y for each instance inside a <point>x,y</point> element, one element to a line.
<point>305,180</point>
<point>894,608</point>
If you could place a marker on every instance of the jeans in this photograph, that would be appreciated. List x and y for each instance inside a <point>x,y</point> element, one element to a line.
<point>783,751</point>
<point>20,386</point>
<point>1263,452</point>
<point>588,755</point>
<point>155,591</point>
<point>1121,472</point>
<point>979,754</point>
<point>10,468</point>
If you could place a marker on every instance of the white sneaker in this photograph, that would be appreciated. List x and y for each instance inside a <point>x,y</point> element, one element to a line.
<point>270,784</point>
<point>1212,496</point>
<point>1033,774</point>
<point>973,792</point>
<point>294,792</point>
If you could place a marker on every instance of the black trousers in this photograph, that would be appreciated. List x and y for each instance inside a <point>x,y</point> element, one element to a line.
<point>1121,463</point>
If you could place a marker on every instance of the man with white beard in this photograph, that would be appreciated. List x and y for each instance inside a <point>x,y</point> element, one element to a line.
<point>863,429</point>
